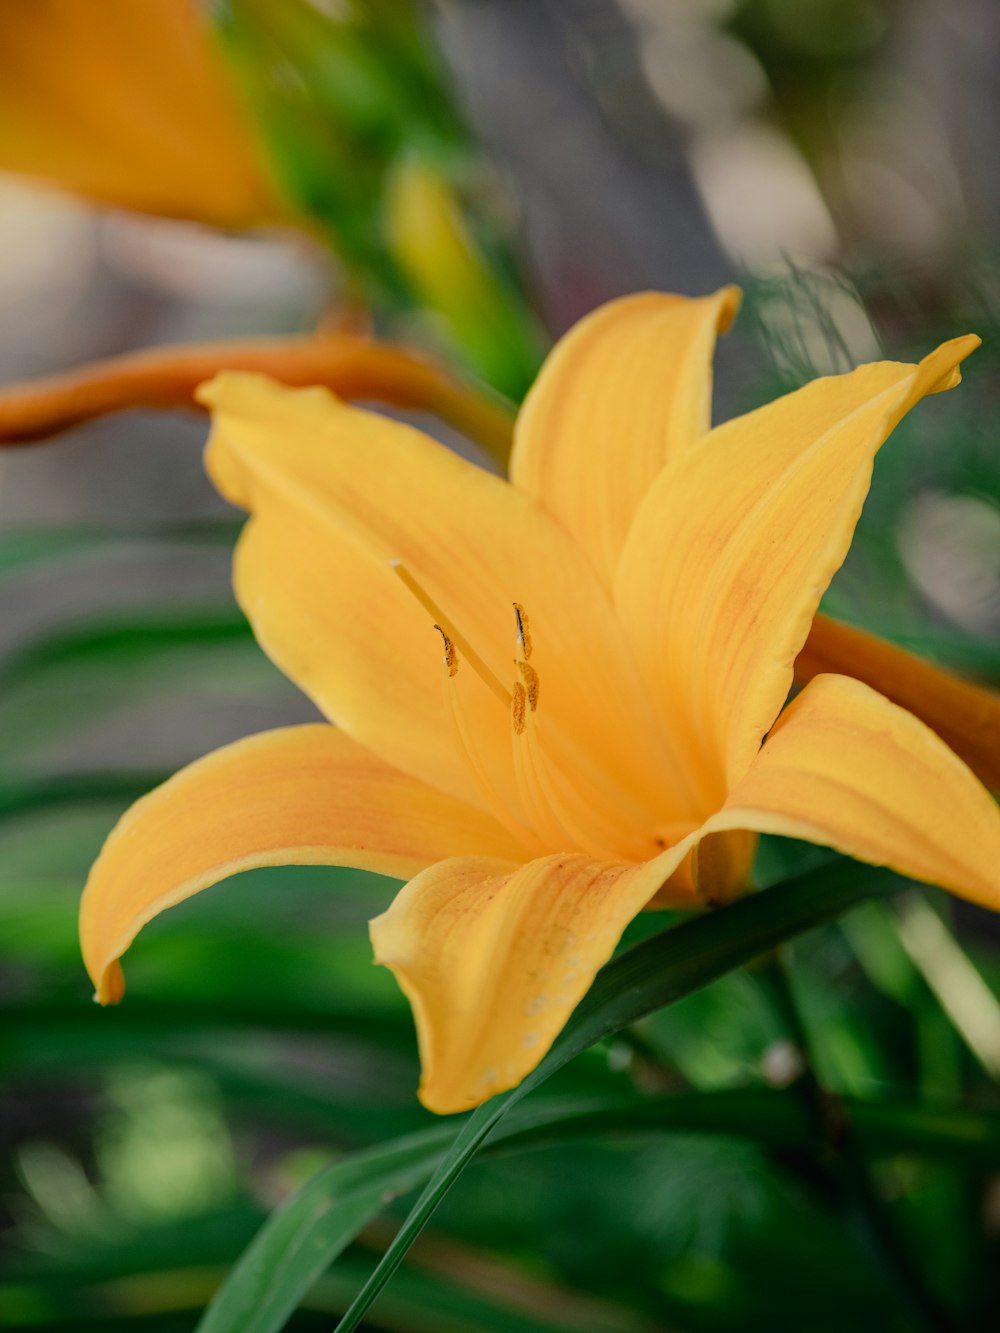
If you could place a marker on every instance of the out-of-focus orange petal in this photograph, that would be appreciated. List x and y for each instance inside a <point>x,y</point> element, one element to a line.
<point>128,104</point>
<point>355,367</point>
<point>626,390</point>
<point>301,795</point>
<point>846,768</point>
<point>493,960</point>
<point>734,544</point>
<point>965,715</point>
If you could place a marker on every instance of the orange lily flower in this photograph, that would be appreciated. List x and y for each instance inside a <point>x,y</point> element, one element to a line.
<point>129,104</point>
<point>357,366</point>
<point>619,626</point>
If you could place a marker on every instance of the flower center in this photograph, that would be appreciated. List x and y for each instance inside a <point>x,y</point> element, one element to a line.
<point>542,783</point>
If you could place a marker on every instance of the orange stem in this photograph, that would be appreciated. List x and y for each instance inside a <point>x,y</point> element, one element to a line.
<point>355,367</point>
<point>965,716</point>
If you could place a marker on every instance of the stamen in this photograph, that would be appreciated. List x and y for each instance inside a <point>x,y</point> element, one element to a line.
<point>528,672</point>
<point>553,783</point>
<point>538,809</point>
<point>465,742</point>
<point>446,627</point>
<point>523,633</point>
<point>559,806</point>
<point>450,656</point>
<point>551,819</point>
<point>517,708</point>
<point>530,676</point>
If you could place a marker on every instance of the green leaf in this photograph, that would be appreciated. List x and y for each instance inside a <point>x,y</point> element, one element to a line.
<point>118,641</point>
<point>313,1226</point>
<point>67,678</point>
<point>299,1241</point>
<point>73,790</point>
<point>24,550</point>
<point>297,1244</point>
<point>636,982</point>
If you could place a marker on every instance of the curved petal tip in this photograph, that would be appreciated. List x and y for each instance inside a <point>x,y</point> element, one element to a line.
<point>730,299</point>
<point>939,370</point>
<point>110,983</point>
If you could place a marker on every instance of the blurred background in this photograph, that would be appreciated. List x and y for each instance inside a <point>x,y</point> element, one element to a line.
<point>839,159</point>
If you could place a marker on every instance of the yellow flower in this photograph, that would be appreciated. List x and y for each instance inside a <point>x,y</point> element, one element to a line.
<point>619,627</point>
<point>126,102</point>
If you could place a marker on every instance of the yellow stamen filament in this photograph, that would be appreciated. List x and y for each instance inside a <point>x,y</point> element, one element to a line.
<point>562,811</point>
<point>538,808</point>
<point>446,627</point>
<point>533,790</point>
<point>465,744</point>
<point>584,824</point>
<point>536,784</point>
<point>590,783</point>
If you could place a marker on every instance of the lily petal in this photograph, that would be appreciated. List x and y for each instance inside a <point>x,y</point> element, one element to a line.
<point>717,594</point>
<point>626,390</point>
<point>129,104</point>
<point>846,768</point>
<point>300,795</point>
<point>494,960</point>
<point>338,493</point>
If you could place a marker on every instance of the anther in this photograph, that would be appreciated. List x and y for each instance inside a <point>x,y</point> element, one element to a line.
<point>517,708</point>
<point>523,633</point>
<point>530,676</point>
<point>450,656</point>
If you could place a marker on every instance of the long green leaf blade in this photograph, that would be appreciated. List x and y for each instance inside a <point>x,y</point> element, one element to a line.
<point>303,1237</point>
<point>635,983</point>
<point>296,1246</point>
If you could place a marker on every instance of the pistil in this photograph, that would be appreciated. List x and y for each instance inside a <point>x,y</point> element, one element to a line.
<point>451,635</point>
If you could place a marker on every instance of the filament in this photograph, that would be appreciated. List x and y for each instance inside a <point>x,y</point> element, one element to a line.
<point>464,742</point>
<point>553,786</point>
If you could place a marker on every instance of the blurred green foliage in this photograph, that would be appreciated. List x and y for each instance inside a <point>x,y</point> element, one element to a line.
<point>355,106</point>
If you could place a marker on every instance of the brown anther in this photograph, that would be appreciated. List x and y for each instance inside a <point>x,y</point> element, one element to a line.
<point>523,632</point>
<point>530,683</point>
<point>518,707</point>
<point>450,655</point>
